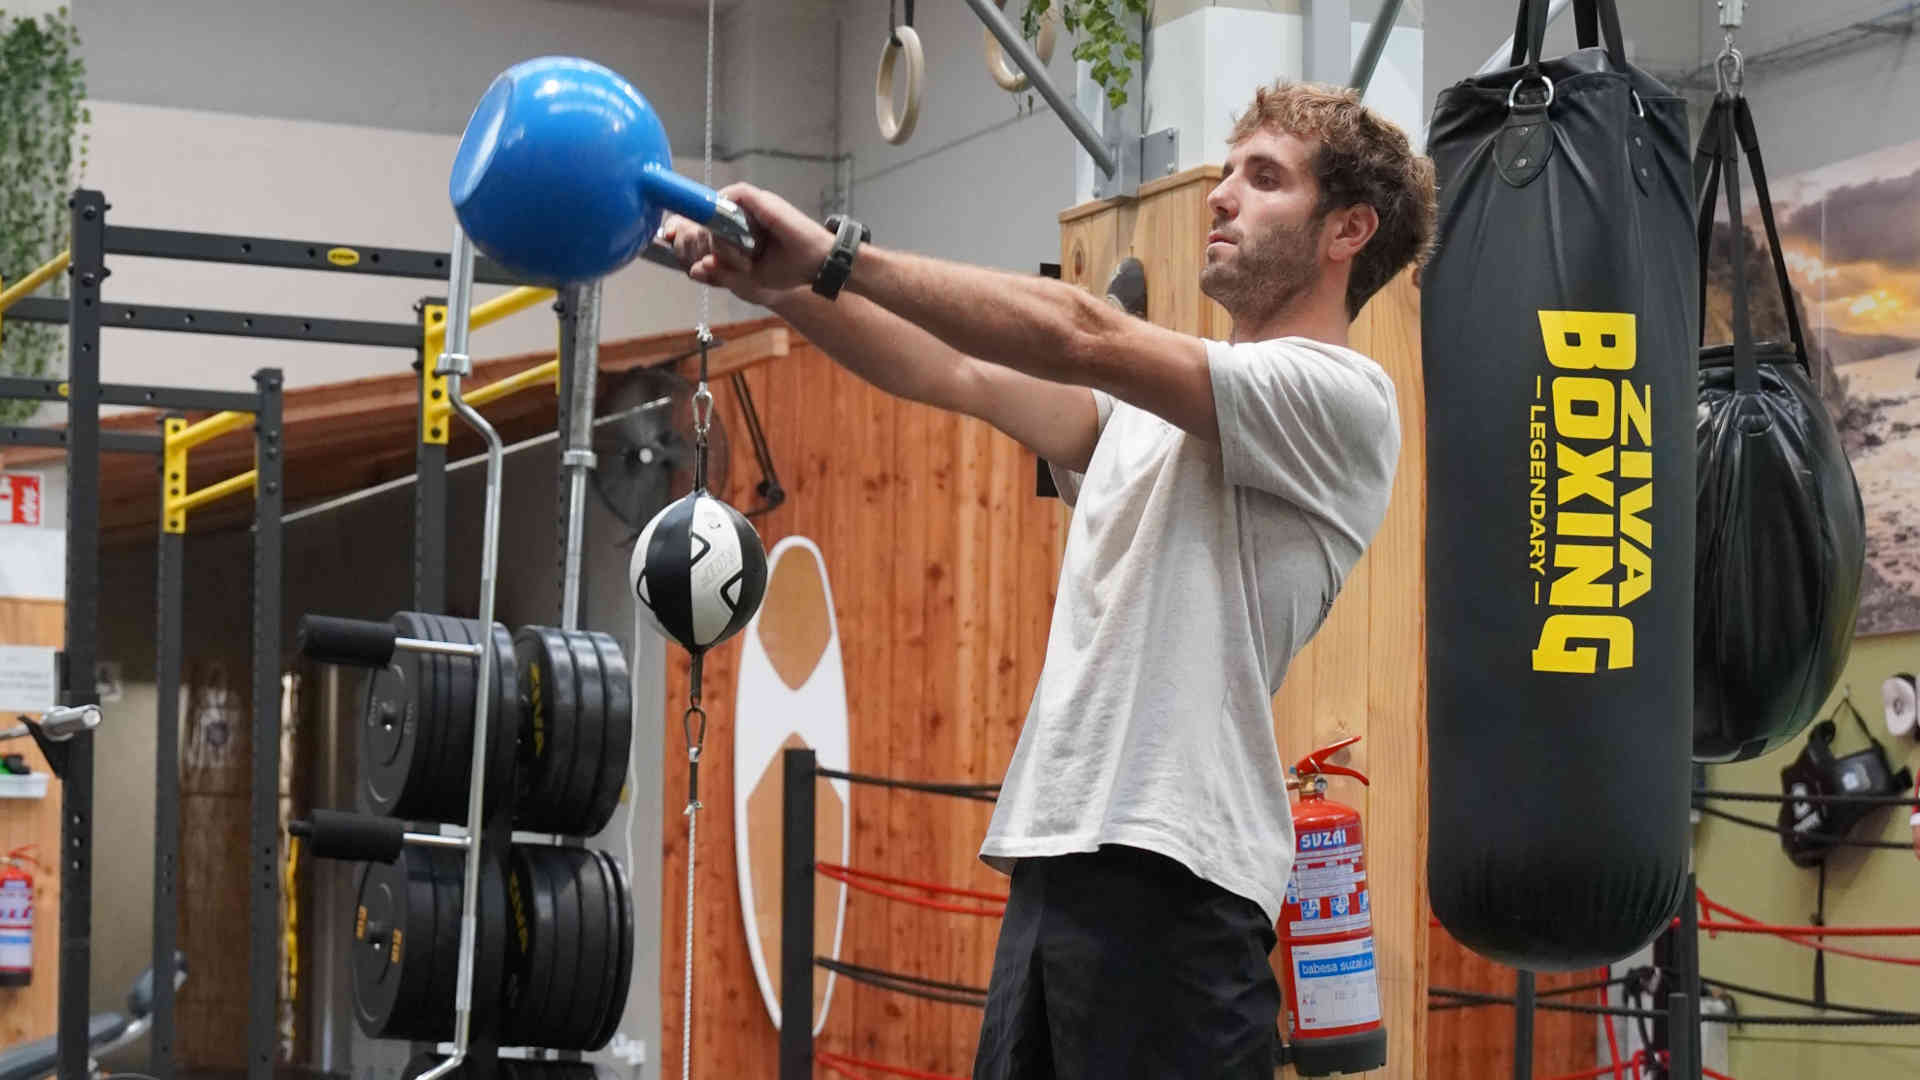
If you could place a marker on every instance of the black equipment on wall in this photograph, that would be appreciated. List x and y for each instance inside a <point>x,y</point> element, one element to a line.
<point>1559,338</point>
<point>1781,529</point>
<point>1808,830</point>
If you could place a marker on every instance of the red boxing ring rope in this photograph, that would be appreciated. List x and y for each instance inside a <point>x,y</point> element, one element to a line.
<point>849,878</point>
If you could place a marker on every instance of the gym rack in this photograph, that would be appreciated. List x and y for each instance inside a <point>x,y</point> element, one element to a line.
<point>85,313</point>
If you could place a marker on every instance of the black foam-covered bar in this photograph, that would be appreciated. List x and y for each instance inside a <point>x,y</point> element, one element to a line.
<point>327,639</point>
<point>339,834</point>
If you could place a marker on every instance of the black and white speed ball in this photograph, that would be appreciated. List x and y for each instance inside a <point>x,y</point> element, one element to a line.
<point>699,570</point>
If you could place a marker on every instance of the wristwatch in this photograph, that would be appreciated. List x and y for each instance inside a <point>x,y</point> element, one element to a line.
<point>848,236</point>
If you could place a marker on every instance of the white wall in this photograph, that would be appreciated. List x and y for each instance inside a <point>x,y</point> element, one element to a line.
<point>982,180</point>
<point>417,65</point>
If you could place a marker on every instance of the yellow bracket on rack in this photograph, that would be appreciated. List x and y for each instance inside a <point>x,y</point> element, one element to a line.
<point>435,407</point>
<point>182,437</point>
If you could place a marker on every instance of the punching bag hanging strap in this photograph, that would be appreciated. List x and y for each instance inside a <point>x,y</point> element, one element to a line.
<point>1706,198</point>
<point>1525,48</point>
<point>1594,20</point>
<point>1746,373</point>
<point>1750,142</point>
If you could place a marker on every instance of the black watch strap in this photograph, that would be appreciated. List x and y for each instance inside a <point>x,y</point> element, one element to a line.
<point>848,236</point>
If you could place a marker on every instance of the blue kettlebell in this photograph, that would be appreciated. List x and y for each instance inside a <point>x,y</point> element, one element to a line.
<point>564,174</point>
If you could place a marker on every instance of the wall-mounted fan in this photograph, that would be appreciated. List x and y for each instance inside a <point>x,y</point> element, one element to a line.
<point>644,450</point>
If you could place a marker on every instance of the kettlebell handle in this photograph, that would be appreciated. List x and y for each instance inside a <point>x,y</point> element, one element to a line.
<point>700,204</point>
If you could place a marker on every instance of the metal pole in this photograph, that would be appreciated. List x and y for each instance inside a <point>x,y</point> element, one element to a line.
<point>1016,49</point>
<point>429,504</point>
<point>1682,1064</point>
<point>455,364</point>
<point>1688,954</point>
<point>264,919</point>
<point>166,795</point>
<point>1504,54</point>
<point>1376,43</point>
<point>796,916</point>
<point>584,325</point>
<point>1523,1025</point>
<point>89,231</point>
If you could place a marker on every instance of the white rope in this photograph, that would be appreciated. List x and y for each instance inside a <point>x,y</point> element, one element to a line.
<point>706,160</point>
<point>686,990</point>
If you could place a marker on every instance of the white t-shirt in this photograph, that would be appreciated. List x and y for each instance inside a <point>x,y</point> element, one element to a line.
<point>1192,575</point>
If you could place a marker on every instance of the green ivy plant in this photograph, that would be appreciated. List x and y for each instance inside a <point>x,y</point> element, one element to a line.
<point>1105,41</point>
<point>43,93</point>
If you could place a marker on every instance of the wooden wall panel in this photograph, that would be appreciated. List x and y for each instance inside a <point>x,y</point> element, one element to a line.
<point>942,564</point>
<point>31,1012</point>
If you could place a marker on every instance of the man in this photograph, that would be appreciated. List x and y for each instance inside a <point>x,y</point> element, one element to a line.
<point>1222,491</point>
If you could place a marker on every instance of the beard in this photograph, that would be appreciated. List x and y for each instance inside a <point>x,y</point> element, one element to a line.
<point>1265,273</point>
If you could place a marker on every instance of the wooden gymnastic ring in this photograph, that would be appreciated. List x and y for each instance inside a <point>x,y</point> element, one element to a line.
<point>1003,71</point>
<point>898,129</point>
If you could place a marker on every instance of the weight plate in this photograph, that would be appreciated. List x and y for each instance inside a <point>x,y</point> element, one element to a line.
<point>590,721</point>
<point>390,734</point>
<point>616,733</point>
<point>503,713</point>
<point>565,998</point>
<point>599,947</point>
<point>548,704</point>
<point>449,881</point>
<point>491,935</point>
<point>620,901</point>
<point>426,795</point>
<point>528,970</point>
<point>394,942</point>
<point>460,697</point>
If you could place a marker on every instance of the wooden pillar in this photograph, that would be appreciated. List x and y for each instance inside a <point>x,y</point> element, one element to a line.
<point>1365,672</point>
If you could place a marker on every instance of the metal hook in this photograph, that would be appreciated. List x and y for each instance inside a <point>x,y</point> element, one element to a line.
<point>1730,69</point>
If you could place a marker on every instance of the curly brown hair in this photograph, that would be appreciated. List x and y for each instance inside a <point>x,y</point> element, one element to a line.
<point>1358,157</point>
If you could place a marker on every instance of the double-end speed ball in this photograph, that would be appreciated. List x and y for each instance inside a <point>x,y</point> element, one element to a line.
<point>699,570</point>
<point>564,173</point>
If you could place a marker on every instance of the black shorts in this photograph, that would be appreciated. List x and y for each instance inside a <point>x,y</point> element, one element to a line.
<point>1123,964</point>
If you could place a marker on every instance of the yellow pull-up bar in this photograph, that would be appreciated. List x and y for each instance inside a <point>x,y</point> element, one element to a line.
<point>511,302</point>
<point>180,437</point>
<point>14,292</point>
<point>437,408</point>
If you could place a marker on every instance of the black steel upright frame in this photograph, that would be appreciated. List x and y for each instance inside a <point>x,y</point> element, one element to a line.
<point>85,312</point>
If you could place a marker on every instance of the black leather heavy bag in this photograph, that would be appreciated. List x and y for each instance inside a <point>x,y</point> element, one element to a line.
<point>1781,532</point>
<point>1558,336</point>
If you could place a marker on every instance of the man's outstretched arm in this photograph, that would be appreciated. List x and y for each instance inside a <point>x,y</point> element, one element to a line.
<point>1043,328</point>
<point>1047,329</point>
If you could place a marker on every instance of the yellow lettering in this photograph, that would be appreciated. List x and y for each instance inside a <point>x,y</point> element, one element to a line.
<point>1583,407</point>
<point>1636,465</point>
<point>1580,586</point>
<point>1557,652</point>
<point>1585,474</point>
<point>1638,573</point>
<point>1538,468</point>
<point>1633,504</point>
<point>1636,413</point>
<point>1589,340</point>
<point>1538,530</point>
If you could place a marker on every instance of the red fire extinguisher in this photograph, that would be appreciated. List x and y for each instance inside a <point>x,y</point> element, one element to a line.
<point>1326,931</point>
<point>16,918</point>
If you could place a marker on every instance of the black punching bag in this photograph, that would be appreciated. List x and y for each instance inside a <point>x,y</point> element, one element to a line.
<point>1559,337</point>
